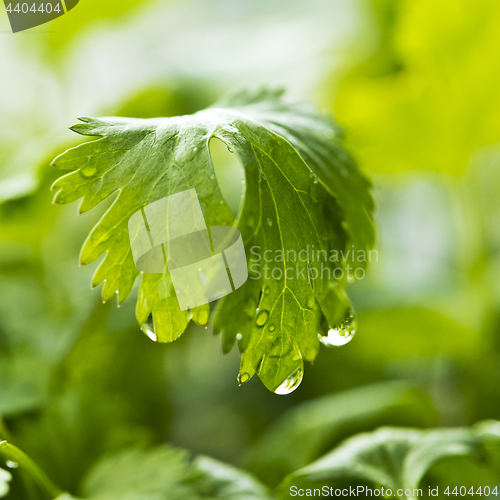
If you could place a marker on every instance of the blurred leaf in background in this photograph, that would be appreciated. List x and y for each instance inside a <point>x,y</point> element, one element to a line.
<point>401,458</point>
<point>425,99</point>
<point>303,433</point>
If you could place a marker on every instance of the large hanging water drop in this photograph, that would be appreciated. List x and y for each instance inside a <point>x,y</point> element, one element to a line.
<point>342,332</point>
<point>149,329</point>
<point>291,382</point>
<point>242,378</point>
<point>261,318</point>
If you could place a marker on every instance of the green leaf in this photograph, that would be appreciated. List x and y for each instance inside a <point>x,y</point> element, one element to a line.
<point>396,457</point>
<point>166,473</point>
<point>303,192</point>
<point>5,478</point>
<point>307,430</point>
<point>163,473</point>
<point>231,483</point>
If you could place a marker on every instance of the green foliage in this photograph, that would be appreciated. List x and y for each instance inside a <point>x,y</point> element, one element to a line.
<point>425,98</point>
<point>231,483</point>
<point>92,404</point>
<point>162,473</point>
<point>400,458</point>
<point>305,432</point>
<point>302,190</point>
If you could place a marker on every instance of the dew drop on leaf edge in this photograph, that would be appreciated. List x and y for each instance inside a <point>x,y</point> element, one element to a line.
<point>149,329</point>
<point>242,378</point>
<point>291,382</point>
<point>342,332</point>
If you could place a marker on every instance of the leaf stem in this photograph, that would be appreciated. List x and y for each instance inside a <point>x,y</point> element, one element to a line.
<point>14,454</point>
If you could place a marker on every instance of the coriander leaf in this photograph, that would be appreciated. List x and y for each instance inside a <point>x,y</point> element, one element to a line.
<point>303,193</point>
<point>231,483</point>
<point>166,473</point>
<point>303,433</point>
<point>163,473</point>
<point>397,457</point>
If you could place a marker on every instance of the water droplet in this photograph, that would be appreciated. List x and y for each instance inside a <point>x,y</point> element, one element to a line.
<point>88,171</point>
<point>269,221</point>
<point>229,149</point>
<point>266,289</point>
<point>311,300</point>
<point>149,329</point>
<point>291,382</point>
<point>250,221</point>
<point>203,317</point>
<point>343,332</point>
<point>272,328</point>
<point>239,336</point>
<point>11,465</point>
<point>261,318</point>
<point>203,277</point>
<point>242,378</point>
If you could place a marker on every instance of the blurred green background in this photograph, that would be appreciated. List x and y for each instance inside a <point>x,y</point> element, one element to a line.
<point>414,84</point>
